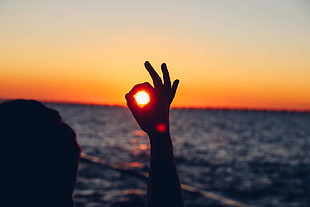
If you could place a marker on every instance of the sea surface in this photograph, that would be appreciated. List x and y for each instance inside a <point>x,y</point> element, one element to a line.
<point>227,157</point>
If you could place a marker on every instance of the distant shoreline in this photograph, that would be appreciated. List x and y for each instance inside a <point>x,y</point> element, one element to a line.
<point>182,108</point>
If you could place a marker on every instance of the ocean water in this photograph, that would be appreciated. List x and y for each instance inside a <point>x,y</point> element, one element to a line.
<point>229,158</point>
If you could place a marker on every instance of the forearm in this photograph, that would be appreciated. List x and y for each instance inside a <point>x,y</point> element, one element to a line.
<point>153,117</point>
<point>164,186</point>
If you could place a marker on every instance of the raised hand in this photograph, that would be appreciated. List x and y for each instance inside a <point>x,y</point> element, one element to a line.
<point>164,187</point>
<point>154,116</point>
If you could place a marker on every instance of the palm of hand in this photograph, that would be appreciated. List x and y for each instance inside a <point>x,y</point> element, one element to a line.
<point>154,116</point>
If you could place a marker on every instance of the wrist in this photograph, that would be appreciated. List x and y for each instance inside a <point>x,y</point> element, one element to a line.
<point>161,145</point>
<point>158,128</point>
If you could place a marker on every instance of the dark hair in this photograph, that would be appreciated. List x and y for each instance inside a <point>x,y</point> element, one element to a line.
<point>39,155</point>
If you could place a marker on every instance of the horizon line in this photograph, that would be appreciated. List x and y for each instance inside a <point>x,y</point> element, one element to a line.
<point>224,108</point>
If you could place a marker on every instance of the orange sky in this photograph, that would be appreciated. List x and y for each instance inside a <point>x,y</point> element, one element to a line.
<point>235,55</point>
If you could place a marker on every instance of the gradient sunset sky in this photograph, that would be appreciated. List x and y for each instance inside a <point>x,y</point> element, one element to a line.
<point>233,53</point>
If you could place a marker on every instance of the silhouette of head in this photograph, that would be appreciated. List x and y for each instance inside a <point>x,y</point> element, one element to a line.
<point>39,155</point>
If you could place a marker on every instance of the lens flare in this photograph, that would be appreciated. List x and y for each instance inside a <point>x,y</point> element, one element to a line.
<point>161,127</point>
<point>142,98</point>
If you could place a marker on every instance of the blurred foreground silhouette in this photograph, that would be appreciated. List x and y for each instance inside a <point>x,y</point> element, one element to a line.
<point>39,155</point>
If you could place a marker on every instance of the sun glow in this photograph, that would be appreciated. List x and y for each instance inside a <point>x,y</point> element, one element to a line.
<point>238,64</point>
<point>142,98</point>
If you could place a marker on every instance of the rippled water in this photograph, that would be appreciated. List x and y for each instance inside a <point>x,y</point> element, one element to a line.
<point>255,158</point>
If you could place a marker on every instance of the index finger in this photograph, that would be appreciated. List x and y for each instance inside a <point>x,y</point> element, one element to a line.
<point>155,77</point>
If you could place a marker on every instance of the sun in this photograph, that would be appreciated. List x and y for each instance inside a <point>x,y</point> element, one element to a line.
<point>142,98</point>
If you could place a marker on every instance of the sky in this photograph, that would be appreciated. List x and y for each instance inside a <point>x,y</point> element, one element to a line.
<point>227,54</point>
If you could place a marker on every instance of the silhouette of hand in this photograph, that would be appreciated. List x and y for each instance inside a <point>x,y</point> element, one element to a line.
<point>153,117</point>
